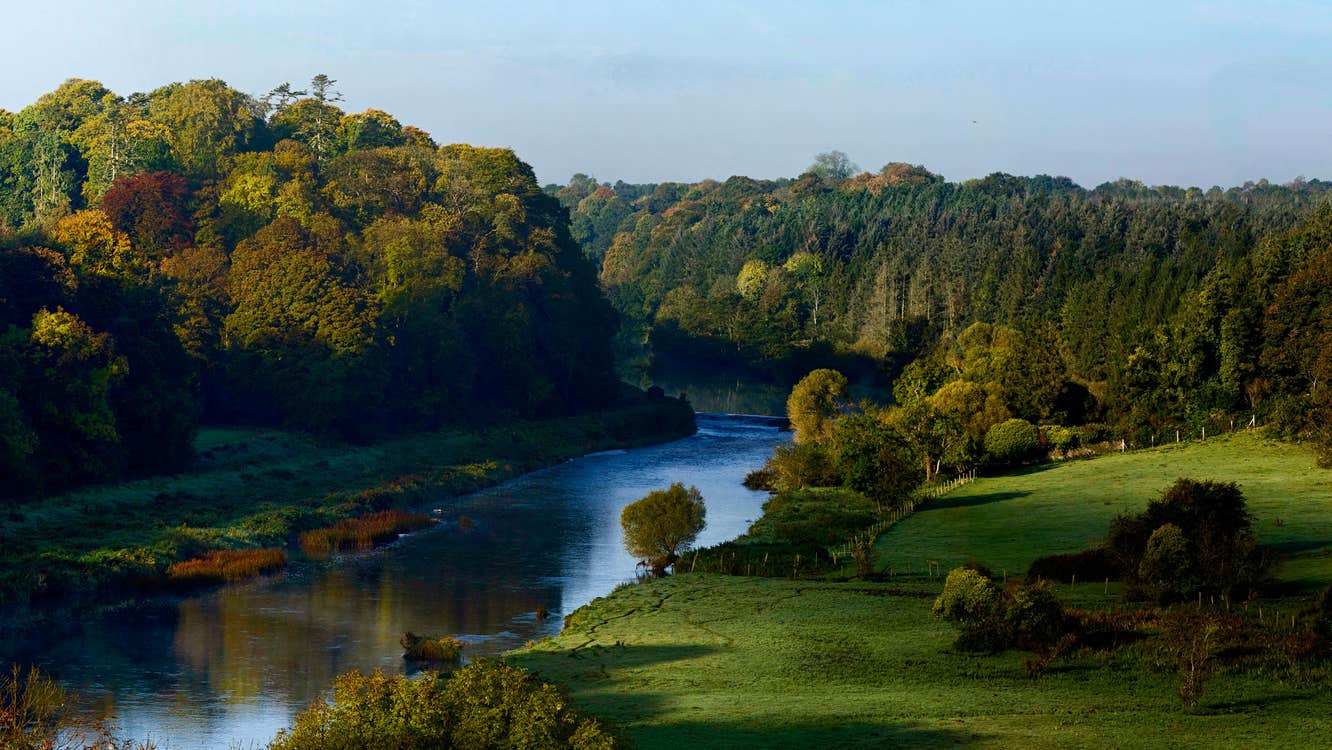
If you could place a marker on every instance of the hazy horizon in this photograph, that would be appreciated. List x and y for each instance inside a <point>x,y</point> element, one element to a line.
<point>1194,95</point>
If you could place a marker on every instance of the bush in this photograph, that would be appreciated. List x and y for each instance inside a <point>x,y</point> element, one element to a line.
<point>487,704</point>
<point>1062,439</point>
<point>441,650</point>
<point>1212,549</point>
<point>993,619</point>
<point>975,605</point>
<point>32,710</point>
<point>1034,616</point>
<point>1011,441</point>
<point>1167,563</point>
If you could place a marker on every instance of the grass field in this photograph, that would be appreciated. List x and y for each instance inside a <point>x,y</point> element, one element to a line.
<point>1008,521</point>
<point>712,661</point>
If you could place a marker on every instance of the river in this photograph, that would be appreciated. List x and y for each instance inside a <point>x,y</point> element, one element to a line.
<point>230,667</point>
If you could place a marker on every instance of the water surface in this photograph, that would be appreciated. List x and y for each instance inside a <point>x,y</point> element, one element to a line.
<point>235,664</point>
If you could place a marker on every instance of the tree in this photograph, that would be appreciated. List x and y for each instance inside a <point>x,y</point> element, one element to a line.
<point>662,524</point>
<point>151,209</point>
<point>833,165</point>
<point>813,404</point>
<point>875,460</point>
<point>752,278</point>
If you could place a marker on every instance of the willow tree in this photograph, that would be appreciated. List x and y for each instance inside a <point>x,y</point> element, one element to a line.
<point>662,524</point>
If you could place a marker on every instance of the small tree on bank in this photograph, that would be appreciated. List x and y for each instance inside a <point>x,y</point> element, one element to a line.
<point>661,525</point>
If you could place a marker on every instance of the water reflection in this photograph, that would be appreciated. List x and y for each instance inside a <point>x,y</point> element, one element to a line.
<point>237,663</point>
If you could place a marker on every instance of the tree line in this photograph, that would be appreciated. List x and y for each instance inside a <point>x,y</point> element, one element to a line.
<point>196,252</point>
<point>1148,309</point>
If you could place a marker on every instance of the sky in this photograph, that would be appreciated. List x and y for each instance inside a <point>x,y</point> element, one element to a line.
<point>1178,93</point>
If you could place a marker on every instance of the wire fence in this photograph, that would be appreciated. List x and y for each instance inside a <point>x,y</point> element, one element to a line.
<point>930,491</point>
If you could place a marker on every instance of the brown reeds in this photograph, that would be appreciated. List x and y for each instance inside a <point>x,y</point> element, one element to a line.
<point>221,566</point>
<point>360,533</point>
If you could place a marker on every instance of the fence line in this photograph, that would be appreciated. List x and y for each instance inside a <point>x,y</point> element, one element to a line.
<point>926,493</point>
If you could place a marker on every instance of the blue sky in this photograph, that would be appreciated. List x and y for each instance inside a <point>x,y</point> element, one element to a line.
<point>1170,93</point>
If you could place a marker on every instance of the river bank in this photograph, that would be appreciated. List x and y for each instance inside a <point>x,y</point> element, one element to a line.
<point>262,488</point>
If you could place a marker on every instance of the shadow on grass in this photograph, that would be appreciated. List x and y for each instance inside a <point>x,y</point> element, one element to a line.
<point>1299,548</point>
<point>972,500</point>
<point>591,660</point>
<point>788,733</point>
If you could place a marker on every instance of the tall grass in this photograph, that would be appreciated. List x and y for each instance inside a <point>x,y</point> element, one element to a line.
<point>360,533</point>
<point>222,566</point>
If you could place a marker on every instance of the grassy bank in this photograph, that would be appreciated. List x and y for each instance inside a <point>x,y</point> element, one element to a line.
<point>254,489</point>
<point>770,663</point>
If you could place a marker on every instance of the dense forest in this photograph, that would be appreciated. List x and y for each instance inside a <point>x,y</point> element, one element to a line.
<point>1148,308</point>
<point>196,252</point>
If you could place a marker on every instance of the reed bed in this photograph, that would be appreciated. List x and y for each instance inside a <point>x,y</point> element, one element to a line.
<point>223,566</point>
<point>361,533</point>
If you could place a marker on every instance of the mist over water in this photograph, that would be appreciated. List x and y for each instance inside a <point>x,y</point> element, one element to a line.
<point>235,664</point>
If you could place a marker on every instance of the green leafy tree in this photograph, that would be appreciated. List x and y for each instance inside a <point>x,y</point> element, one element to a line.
<point>662,524</point>
<point>833,165</point>
<point>875,460</point>
<point>814,404</point>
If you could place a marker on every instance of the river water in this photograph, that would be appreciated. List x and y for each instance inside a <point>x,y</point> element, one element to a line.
<point>234,665</point>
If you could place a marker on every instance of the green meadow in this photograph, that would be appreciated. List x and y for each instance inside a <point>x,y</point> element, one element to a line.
<point>706,661</point>
<point>1007,521</point>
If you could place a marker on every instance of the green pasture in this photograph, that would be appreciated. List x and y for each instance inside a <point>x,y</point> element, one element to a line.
<point>715,661</point>
<point>1007,521</point>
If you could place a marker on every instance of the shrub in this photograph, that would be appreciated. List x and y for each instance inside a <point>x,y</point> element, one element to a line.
<point>1193,643</point>
<point>1062,439</point>
<point>762,478</point>
<point>992,619</point>
<point>442,650</point>
<point>31,709</point>
<point>221,566</point>
<point>1167,563</point>
<point>1011,441</point>
<point>975,605</point>
<point>487,704</point>
<point>1034,616</point>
